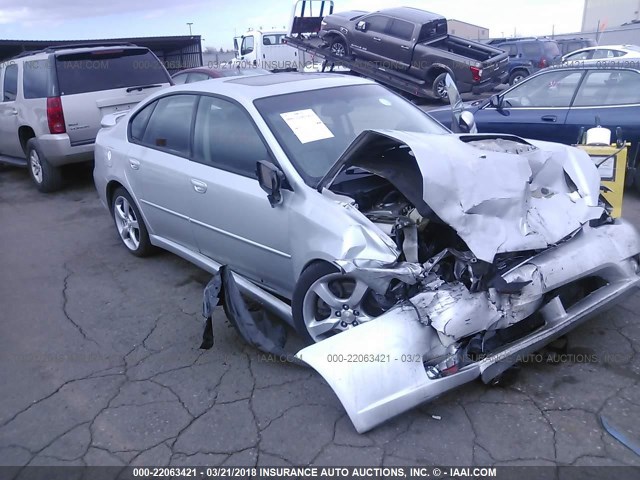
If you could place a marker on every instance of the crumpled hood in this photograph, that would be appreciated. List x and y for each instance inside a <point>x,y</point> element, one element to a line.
<point>499,192</point>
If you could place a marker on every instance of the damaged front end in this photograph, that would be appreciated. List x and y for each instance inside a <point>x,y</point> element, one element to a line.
<point>504,248</point>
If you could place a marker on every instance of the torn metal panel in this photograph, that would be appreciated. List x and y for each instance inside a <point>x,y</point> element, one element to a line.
<point>377,274</point>
<point>496,201</point>
<point>258,328</point>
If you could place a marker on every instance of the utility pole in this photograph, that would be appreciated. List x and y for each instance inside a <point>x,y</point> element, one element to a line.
<point>189,23</point>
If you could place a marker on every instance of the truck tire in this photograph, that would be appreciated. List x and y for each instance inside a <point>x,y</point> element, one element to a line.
<point>45,176</point>
<point>439,88</point>
<point>338,47</point>
<point>517,76</point>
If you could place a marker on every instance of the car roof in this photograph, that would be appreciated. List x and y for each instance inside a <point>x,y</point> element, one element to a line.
<point>66,49</point>
<point>413,15</point>
<point>250,88</point>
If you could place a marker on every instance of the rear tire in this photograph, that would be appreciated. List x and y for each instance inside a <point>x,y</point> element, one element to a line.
<point>130,225</point>
<point>439,88</point>
<point>45,176</point>
<point>517,77</point>
<point>338,48</point>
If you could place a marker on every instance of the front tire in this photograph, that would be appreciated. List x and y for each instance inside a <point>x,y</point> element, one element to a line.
<point>326,302</point>
<point>45,176</point>
<point>130,225</point>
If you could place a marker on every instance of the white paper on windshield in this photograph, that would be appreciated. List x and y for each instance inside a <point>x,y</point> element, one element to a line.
<point>306,125</point>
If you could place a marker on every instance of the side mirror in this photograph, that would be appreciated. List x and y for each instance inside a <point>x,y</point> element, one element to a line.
<point>270,179</point>
<point>362,26</point>
<point>467,122</point>
<point>495,101</point>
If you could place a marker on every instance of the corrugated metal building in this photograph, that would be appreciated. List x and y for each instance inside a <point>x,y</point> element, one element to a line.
<point>608,14</point>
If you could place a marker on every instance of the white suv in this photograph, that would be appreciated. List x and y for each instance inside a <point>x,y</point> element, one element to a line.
<point>52,102</point>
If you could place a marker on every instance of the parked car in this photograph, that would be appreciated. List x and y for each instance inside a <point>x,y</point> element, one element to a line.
<point>198,74</point>
<point>555,104</point>
<point>606,55</point>
<point>568,45</point>
<point>415,43</point>
<point>537,52</point>
<point>53,101</point>
<point>457,253</point>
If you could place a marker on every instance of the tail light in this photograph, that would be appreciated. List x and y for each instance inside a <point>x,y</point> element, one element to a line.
<point>476,73</point>
<point>543,63</point>
<point>55,117</point>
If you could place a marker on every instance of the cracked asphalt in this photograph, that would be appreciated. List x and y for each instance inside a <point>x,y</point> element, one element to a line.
<point>101,366</point>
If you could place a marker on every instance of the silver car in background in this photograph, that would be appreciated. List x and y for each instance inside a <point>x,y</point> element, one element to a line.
<point>430,258</point>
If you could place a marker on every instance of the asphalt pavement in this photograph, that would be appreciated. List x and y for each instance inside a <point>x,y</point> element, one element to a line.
<point>101,366</point>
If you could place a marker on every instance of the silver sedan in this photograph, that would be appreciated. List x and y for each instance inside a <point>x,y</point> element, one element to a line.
<point>337,203</point>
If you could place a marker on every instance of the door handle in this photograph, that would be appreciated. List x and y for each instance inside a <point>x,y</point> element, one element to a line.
<point>376,39</point>
<point>404,47</point>
<point>199,186</point>
<point>135,164</point>
<point>549,118</point>
<point>13,111</point>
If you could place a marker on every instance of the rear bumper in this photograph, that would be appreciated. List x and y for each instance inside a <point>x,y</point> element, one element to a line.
<point>377,369</point>
<point>488,85</point>
<point>58,150</point>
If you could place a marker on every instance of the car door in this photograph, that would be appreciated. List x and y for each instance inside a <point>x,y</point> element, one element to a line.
<point>399,43</point>
<point>9,139</point>
<point>158,163</point>
<point>232,220</point>
<point>535,108</point>
<point>369,44</point>
<point>609,98</point>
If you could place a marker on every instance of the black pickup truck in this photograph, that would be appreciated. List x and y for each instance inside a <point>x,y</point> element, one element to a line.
<point>414,43</point>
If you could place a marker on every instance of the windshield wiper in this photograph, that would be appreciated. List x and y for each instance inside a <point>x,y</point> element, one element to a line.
<point>142,87</point>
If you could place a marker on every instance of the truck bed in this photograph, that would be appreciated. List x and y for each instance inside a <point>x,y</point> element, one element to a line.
<point>466,48</point>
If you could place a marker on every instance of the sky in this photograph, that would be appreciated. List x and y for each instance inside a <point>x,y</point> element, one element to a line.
<point>217,21</point>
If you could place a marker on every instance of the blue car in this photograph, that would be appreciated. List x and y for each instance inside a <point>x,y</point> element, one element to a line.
<point>556,103</point>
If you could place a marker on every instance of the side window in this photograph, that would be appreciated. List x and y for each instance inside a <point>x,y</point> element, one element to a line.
<point>584,55</point>
<point>226,138</point>
<point>180,78</point>
<point>510,48</point>
<point>139,122</point>
<point>169,127</point>
<point>198,77</point>
<point>377,23</point>
<point>10,84</point>
<point>554,89</point>
<point>531,50</point>
<point>36,79</point>
<point>275,39</point>
<point>247,45</point>
<point>401,29</point>
<point>608,87</point>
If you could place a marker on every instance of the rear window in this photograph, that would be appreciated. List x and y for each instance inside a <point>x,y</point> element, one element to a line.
<point>108,69</point>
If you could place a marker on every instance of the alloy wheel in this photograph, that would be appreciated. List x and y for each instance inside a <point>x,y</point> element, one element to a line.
<point>127,223</point>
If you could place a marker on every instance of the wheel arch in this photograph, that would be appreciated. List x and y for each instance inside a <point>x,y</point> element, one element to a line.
<point>25,133</point>
<point>437,69</point>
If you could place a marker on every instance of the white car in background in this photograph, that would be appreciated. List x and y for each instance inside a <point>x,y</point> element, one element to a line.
<point>611,54</point>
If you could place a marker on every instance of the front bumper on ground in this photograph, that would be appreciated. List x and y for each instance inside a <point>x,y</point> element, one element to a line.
<point>377,369</point>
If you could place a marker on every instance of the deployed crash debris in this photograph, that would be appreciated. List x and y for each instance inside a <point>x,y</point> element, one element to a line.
<point>502,247</point>
<point>257,327</point>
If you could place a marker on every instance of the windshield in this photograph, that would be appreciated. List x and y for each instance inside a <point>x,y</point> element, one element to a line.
<point>315,127</point>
